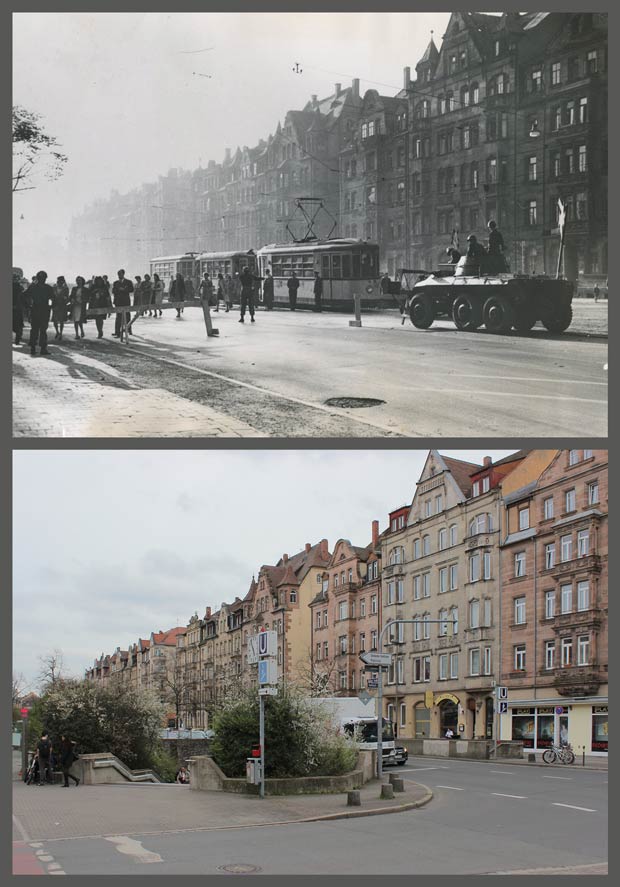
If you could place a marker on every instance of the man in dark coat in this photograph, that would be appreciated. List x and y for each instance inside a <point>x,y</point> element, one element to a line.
<point>42,296</point>
<point>18,309</point>
<point>475,251</point>
<point>44,753</point>
<point>67,755</point>
<point>268,290</point>
<point>293,285</point>
<point>318,291</point>
<point>247,293</point>
<point>496,248</point>
<point>121,292</point>
<point>177,292</point>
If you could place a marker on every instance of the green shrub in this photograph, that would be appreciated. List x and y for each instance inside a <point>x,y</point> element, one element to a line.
<point>164,764</point>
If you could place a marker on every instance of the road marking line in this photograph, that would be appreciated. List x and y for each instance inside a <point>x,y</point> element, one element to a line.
<point>500,795</point>
<point>46,858</point>
<point>573,807</point>
<point>558,777</point>
<point>503,772</point>
<point>53,866</point>
<point>23,832</point>
<point>452,787</point>
<point>419,769</point>
<point>526,379</point>
<point>133,848</point>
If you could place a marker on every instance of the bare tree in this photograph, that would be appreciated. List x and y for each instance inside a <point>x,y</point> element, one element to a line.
<point>52,669</point>
<point>182,691</point>
<point>33,151</point>
<point>19,688</point>
<point>316,678</point>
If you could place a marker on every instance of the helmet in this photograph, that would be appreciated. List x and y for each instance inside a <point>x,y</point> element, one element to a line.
<point>492,224</point>
<point>472,237</point>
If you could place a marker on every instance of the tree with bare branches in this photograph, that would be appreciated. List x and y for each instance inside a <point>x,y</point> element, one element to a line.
<point>19,688</point>
<point>52,669</point>
<point>34,151</point>
<point>316,678</point>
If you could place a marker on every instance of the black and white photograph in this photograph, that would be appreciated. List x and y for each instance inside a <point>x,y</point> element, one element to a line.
<point>326,225</point>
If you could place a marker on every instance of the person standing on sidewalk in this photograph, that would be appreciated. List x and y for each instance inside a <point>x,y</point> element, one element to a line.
<point>42,297</point>
<point>158,295</point>
<point>59,305</point>
<point>121,292</point>
<point>318,291</point>
<point>205,290</point>
<point>77,303</point>
<point>293,285</point>
<point>99,298</point>
<point>44,753</point>
<point>67,756</point>
<point>220,291</point>
<point>177,292</point>
<point>18,309</point>
<point>228,288</point>
<point>247,293</point>
<point>268,291</point>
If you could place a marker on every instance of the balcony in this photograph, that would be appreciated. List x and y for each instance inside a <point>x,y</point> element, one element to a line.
<point>480,539</point>
<point>479,683</point>
<point>483,633</point>
<point>578,680</point>
<point>394,570</point>
<point>589,564</point>
<point>578,619</point>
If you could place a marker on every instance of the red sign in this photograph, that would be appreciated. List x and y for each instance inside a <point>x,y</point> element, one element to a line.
<point>24,712</point>
<point>255,753</point>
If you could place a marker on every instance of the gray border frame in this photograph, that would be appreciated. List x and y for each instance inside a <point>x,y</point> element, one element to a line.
<point>8,444</point>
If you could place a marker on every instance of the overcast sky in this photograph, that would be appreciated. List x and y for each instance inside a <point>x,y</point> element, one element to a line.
<point>131,95</point>
<point>129,542</point>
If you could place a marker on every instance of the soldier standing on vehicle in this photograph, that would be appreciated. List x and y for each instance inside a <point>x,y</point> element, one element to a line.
<point>496,247</point>
<point>475,250</point>
<point>454,255</point>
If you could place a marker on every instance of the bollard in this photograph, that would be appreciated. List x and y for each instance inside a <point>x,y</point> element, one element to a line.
<point>531,758</point>
<point>354,799</point>
<point>391,778</point>
<point>358,311</point>
<point>387,792</point>
<point>398,784</point>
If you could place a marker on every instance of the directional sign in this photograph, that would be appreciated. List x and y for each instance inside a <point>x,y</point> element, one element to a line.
<point>372,658</point>
<point>267,671</point>
<point>253,649</point>
<point>364,697</point>
<point>503,708</point>
<point>501,692</point>
<point>267,691</point>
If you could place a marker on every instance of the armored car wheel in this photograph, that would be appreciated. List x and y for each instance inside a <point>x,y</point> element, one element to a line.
<point>525,318</point>
<point>466,313</point>
<point>557,318</point>
<point>422,311</point>
<point>498,314</point>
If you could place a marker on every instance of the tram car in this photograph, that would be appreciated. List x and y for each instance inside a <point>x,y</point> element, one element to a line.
<point>226,263</point>
<point>348,267</point>
<point>169,266</point>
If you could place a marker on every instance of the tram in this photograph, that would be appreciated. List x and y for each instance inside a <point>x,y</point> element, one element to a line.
<point>169,266</point>
<point>348,267</point>
<point>226,263</point>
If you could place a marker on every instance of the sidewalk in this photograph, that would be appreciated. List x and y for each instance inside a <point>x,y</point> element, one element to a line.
<point>95,811</point>
<point>592,763</point>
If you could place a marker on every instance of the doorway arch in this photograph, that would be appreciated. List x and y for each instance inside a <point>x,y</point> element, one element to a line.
<point>448,717</point>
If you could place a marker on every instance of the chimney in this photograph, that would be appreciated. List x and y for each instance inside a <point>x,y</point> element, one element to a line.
<point>355,86</point>
<point>208,612</point>
<point>324,549</point>
<point>315,99</point>
<point>487,461</point>
<point>337,88</point>
<point>285,558</point>
<point>227,153</point>
<point>406,77</point>
<point>308,547</point>
<point>375,532</point>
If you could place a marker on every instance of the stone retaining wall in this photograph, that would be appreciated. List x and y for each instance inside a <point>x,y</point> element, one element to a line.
<point>184,749</point>
<point>478,749</point>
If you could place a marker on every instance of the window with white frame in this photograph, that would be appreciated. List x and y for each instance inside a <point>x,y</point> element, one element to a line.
<point>426,626</point>
<point>486,565</point>
<point>549,555</point>
<point>587,454</point>
<point>442,539</point>
<point>454,665</point>
<point>443,579</point>
<point>474,567</point>
<point>427,667</point>
<point>453,536</point>
<point>573,457</point>
<point>426,545</point>
<point>336,580</point>
<point>474,614</point>
<point>318,651</point>
<point>438,504</point>
<point>400,591</point>
<point>571,500</point>
<point>566,548</point>
<point>396,556</point>
<point>454,615</point>
<point>454,577</point>
<point>583,543</point>
<point>362,679</point>
<point>373,639</point>
<point>524,518</point>
<point>566,598</point>
<point>400,671</point>
<point>417,628</point>
<point>325,649</point>
<point>352,643</point>
<point>486,661</point>
<point>475,490</point>
<point>474,661</point>
<point>519,564</point>
<point>373,604</point>
<point>342,643</point>
<point>549,655</point>
<point>548,508</point>
<point>486,612</point>
<point>426,584</point>
<point>343,610</point>
<point>443,623</point>
<point>583,595</point>
<point>567,652</point>
<point>353,680</point>
<point>403,714</point>
<point>362,641</point>
<point>390,593</point>
<point>363,606</point>
<point>427,508</point>
<point>416,549</point>
<point>352,609</point>
<point>593,493</point>
<point>519,611</point>
<point>443,666</point>
<point>549,604</point>
<point>343,680</point>
<point>583,649</point>
<point>519,659</point>
<point>417,588</point>
<point>486,484</point>
<point>318,619</point>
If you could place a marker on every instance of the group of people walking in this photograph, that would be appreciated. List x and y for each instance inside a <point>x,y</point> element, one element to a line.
<point>47,757</point>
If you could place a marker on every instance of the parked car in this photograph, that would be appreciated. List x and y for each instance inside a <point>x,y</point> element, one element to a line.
<point>399,757</point>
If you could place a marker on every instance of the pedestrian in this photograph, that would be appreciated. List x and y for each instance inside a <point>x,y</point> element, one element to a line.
<point>44,752</point>
<point>77,302</point>
<point>236,289</point>
<point>318,291</point>
<point>219,294</point>
<point>99,298</point>
<point>449,734</point>
<point>205,290</point>
<point>597,292</point>
<point>42,296</point>
<point>190,290</point>
<point>67,751</point>
<point>158,294</point>
<point>293,285</point>
<point>121,292</point>
<point>177,292</point>
<point>385,283</point>
<point>18,309</point>
<point>228,290</point>
<point>247,294</point>
<point>60,305</point>
<point>182,776</point>
<point>268,290</point>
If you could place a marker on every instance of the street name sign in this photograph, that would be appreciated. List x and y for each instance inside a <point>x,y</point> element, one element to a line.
<point>372,658</point>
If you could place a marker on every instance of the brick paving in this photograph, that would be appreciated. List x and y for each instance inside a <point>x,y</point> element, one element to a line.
<point>48,402</point>
<point>98,810</point>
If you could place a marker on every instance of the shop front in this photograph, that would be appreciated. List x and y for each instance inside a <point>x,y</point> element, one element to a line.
<point>584,726</point>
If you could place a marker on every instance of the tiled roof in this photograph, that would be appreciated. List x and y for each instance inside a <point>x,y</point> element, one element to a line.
<point>289,577</point>
<point>461,472</point>
<point>168,638</point>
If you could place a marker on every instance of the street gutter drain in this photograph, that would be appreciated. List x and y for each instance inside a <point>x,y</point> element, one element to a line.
<point>239,868</point>
<point>353,403</point>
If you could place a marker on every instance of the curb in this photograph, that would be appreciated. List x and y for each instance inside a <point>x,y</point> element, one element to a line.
<point>513,763</point>
<point>375,811</point>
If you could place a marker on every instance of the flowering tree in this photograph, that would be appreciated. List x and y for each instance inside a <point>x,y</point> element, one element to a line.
<point>34,151</point>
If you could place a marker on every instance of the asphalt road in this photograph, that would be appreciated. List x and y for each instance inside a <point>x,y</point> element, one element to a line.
<point>275,376</point>
<point>484,818</point>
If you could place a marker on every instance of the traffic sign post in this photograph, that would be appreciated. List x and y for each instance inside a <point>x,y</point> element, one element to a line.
<point>262,650</point>
<point>503,708</point>
<point>24,713</point>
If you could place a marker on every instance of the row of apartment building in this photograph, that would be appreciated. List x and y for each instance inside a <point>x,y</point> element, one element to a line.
<point>509,114</point>
<point>498,572</point>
